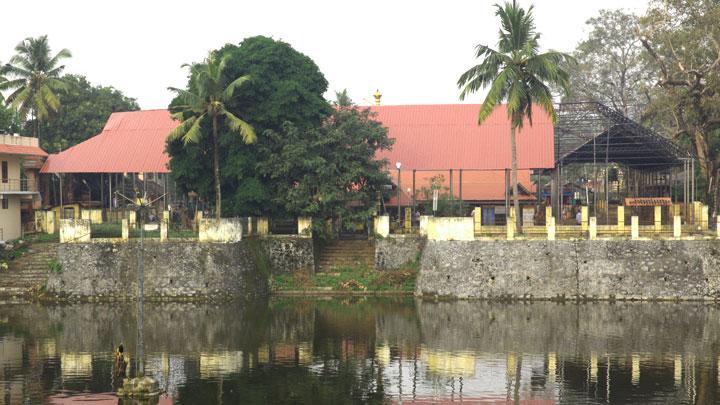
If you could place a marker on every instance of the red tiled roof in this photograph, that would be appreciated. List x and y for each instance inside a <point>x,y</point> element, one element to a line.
<point>22,150</point>
<point>441,137</point>
<point>131,142</point>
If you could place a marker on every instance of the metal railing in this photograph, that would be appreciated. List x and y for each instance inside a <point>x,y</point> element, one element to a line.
<point>18,185</point>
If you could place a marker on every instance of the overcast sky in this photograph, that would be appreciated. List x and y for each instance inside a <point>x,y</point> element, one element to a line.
<point>413,51</point>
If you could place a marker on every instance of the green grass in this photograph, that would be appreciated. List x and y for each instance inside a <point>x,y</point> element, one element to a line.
<point>42,237</point>
<point>114,230</point>
<point>350,279</point>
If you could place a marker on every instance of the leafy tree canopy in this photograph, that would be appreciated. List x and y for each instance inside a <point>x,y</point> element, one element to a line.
<point>330,171</point>
<point>612,67</point>
<point>284,86</point>
<point>84,110</point>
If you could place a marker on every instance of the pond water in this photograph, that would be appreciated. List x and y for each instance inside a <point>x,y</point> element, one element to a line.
<point>365,350</point>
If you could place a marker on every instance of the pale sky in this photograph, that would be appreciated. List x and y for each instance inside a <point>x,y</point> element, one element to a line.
<point>413,51</point>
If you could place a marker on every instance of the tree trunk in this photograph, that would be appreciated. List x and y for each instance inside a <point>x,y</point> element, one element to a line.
<point>516,200</point>
<point>216,164</point>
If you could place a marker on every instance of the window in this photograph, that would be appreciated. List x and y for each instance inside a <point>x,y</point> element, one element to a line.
<point>4,171</point>
<point>5,203</point>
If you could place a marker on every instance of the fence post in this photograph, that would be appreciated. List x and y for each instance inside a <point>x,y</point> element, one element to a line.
<point>584,218</point>
<point>677,226</point>
<point>125,229</point>
<point>163,230</point>
<point>593,228</point>
<point>635,227</point>
<point>408,218</point>
<point>305,226</point>
<point>477,220</point>
<point>704,218</point>
<point>621,219</point>
<point>550,227</point>
<point>510,229</point>
<point>658,219</point>
<point>263,226</point>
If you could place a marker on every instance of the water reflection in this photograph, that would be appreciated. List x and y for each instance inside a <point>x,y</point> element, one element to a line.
<point>369,350</point>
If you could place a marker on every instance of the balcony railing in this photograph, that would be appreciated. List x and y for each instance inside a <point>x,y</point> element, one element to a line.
<point>18,185</point>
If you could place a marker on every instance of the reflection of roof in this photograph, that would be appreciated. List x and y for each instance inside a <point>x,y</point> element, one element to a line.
<point>441,137</point>
<point>476,185</point>
<point>131,142</point>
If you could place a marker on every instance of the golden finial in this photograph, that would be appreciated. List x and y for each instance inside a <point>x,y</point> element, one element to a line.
<point>377,96</point>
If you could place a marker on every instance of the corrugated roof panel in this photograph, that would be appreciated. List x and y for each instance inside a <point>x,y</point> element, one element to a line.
<point>448,137</point>
<point>131,142</point>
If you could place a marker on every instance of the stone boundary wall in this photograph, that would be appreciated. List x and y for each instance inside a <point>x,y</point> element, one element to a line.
<point>394,251</point>
<point>585,269</point>
<point>172,269</point>
<point>289,254</point>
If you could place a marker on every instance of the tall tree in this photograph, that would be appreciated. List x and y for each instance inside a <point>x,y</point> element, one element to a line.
<point>35,79</point>
<point>84,110</point>
<point>517,74</point>
<point>286,86</point>
<point>330,172</point>
<point>611,64</point>
<point>205,103</point>
<point>682,38</point>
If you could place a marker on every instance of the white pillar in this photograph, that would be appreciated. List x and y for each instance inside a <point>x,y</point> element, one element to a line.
<point>550,228</point>
<point>677,226</point>
<point>593,228</point>
<point>635,227</point>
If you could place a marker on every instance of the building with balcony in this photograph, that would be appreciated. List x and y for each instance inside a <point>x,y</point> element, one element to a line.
<point>20,161</point>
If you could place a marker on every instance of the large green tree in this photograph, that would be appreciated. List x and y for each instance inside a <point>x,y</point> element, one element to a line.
<point>84,110</point>
<point>286,86</point>
<point>205,104</point>
<point>682,38</point>
<point>518,74</point>
<point>330,172</point>
<point>611,65</point>
<point>34,78</point>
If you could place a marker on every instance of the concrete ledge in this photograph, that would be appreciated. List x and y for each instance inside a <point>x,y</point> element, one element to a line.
<point>223,230</point>
<point>451,228</point>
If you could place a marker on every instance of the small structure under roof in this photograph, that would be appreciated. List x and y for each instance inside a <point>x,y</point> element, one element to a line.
<point>603,157</point>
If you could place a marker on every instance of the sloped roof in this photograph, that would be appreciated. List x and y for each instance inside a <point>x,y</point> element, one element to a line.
<point>130,142</point>
<point>447,136</point>
<point>22,150</point>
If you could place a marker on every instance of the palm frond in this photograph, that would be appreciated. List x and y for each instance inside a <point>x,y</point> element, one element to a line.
<point>238,125</point>
<point>496,95</point>
<point>230,89</point>
<point>194,133</point>
<point>181,129</point>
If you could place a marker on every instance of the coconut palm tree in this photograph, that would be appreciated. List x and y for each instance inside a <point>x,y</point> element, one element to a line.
<point>34,78</point>
<point>204,102</point>
<point>516,73</point>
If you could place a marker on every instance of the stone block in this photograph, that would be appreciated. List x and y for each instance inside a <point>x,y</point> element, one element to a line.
<point>658,219</point>
<point>621,218</point>
<point>550,227</point>
<point>424,223</point>
<point>163,229</point>
<point>451,228</point>
<point>305,226</point>
<point>249,226</point>
<point>677,226</point>
<point>704,218</point>
<point>592,228</point>
<point>132,216</point>
<point>220,230</point>
<point>635,227</point>
<point>408,219</point>
<point>125,229</point>
<point>94,215</point>
<point>381,225</point>
<point>510,229</point>
<point>548,214</point>
<point>584,218</point>
<point>477,219</point>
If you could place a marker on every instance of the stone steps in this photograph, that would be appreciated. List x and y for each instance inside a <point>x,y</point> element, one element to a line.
<point>28,272</point>
<point>347,253</point>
